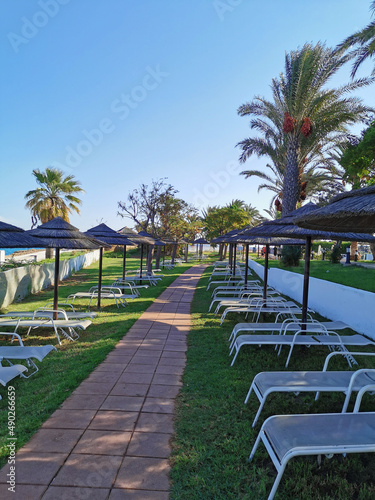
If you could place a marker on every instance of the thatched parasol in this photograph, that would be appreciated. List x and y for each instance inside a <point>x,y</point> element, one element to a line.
<point>285,227</point>
<point>109,236</point>
<point>15,237</point>
<point>58,234</point>
<point>351,211</point>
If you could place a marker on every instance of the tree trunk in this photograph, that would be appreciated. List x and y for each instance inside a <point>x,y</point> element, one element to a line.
<point>221,251</point>
<point>291,180</point>
<point>49,253</point>
<point>353,249</point>
<point>372,248</point>
<point>157,257</point>
<point>186,252</point>
<point>225,251</point>
<point>149,258</point>
<point>174,251</point>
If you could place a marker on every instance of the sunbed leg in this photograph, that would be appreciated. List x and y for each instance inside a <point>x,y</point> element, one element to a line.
<point>235,356</point>
<point>248,394</point>
<point>276,483</point>
<point>289,355</point>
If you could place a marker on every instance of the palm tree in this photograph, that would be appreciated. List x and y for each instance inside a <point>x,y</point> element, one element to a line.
<point>304,120</point>
<point>54,196</point>
<point>363,44</point>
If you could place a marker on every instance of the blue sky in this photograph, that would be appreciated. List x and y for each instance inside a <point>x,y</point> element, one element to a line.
<point>119,92</point>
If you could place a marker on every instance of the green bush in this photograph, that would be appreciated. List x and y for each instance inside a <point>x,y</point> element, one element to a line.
<point>335,256</point>
<point>290,255</point>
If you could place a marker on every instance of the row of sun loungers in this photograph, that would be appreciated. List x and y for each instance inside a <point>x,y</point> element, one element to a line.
<point>288,436</point>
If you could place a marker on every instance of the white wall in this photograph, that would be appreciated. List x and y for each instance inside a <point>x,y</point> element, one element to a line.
<point>331,300</point>
<point>17,283</point>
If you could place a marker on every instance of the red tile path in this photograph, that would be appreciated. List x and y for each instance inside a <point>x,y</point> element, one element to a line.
<point>110,438</point>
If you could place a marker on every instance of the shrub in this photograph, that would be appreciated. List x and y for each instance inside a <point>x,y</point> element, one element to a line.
<point>290,255</point>
<point>335,256</point>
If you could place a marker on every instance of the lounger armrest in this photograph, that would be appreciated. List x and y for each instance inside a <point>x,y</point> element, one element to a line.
<point>13,334</point>
<point>335,353</point>
<point>367,388</point>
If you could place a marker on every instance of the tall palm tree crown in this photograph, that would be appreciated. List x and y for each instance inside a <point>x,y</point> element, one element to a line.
<point>305,120</point>
<point>363,44</point>
<point>55,196</point>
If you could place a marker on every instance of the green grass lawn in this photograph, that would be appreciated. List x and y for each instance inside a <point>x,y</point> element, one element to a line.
<point>214,436</point>
<point>62,371</point>
<point>354,276</point>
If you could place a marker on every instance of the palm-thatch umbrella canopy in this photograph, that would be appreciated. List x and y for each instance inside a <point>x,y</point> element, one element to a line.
<point>15,237</point>
<point>110,237</point>
<point>57,234</point>
<point>267,241</point>
<point>285,227</point>
<point>351,211</point>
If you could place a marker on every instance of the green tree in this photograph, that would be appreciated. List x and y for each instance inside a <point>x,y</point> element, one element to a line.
<point>54,197</point>
<point>362,44</point>
<point>305,120</point>
<point>358,160</point>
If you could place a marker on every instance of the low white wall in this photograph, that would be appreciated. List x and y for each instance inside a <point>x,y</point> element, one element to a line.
<point>17,283</point>
<point>331,300</point>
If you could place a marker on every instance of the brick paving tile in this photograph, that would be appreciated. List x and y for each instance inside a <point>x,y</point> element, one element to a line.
<point>167,379</point>
<point>125,403</point>
<point>108,366</point>
<point>137,368</point>
<point>149,444</point>
<point>100,376</point>
<point>69,493</point>
<point>69,419</point>
<point>21,492</point>
<point>155,422</point>
<point>158,405</point>
<point>112,420</point>
<point>53,440</point>
<point>92,471</point>
<point>35,468</point>
<point>125,494</point>
<point>125,389</point>
<point>163,391</point>
<point>132,474</point>
<point>94,388</point>
<point>103,442</point>
<point>136,378</point>
<point>173,354</point>
<point>145,360</point>
<point>172,361</point>
<point>169,370</point>
<point>84,402</point>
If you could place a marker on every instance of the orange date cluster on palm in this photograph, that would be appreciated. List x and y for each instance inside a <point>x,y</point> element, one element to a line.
<point>290,123</point>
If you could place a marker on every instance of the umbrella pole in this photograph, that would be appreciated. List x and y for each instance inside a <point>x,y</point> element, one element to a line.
<point>234,259</point>
<point>246,263</point>
<point>124,264</point>
<point>265,280</point>
<point>100,276</point>
<point>306,281</point>
<point>56,283</point>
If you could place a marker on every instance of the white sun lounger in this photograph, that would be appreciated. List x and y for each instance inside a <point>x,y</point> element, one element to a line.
<point>44,319</point>
<point>113,293</point>
<point>288,436</point>
<point>260,307</point>
<point>266,383</point>
<point>61,313</point>
<point>248,299</point>
<point>294,324</point>
<point>21,352</point>
<point>327,338</point>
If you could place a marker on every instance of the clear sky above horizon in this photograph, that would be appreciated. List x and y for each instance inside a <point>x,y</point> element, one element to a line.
<point>119,92</point>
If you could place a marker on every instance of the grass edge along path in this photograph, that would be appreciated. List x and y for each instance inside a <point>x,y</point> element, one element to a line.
<point>63,370</point>
<point>213,433</point>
